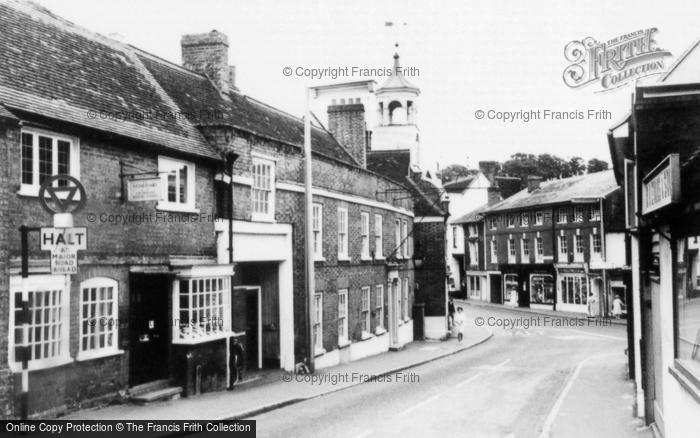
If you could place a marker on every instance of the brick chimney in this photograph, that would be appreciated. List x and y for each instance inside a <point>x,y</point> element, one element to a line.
<point>533,183</point>
<point>207,53</point>
<point>347,124</point>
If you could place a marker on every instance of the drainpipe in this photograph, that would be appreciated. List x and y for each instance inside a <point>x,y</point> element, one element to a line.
<point>602,250</point>
<point>228,166</point>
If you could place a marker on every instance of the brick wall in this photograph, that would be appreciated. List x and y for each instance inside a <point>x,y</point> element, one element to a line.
<point>112,248</point>
<point>347,124</point>
<point>429,238</point>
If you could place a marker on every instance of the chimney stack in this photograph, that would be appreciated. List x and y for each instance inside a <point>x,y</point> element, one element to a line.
<point>347,124</point>
<point>207,53</point>
<point>533,183</point>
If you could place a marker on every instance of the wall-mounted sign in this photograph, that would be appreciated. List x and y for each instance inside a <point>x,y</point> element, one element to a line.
<point>144,189</point>
<point>662,186</point>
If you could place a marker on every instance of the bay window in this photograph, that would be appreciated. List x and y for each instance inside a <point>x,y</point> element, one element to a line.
<point>202,307</point>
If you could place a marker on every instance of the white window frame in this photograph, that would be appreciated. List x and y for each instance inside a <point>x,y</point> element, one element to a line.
<point>494,251</point>
<point>404,300</point>
<point>562,215</point>
<point>594,213</point>
<point>378,236</point>
<point>512,252</point>
<point>510,218</point>
<point>563,249</point>
<point>404,238</point>
<point>168,166</point>
<point>578,248</point>
<point>364,235</point>
<point>343,336</point>
<point>256,163</point>
<point>599,252</point>
<point>104,324</point>
<point>492,223</point>
<point>317,219</point>
<point>343,251</point>
<point>73,163</point>
<point>539,218</point>
<point>397,235</point>
<point>365,310</point>
<point>379,308</point>
<point>454,236</point>
<point>539,249</point>
<point>525,250</point>
<point>524,219</point>
<point>195,320</point>
<point>579,214</point>
<point>318,323</point>
<point>566,283</point>
<point>42,283</point>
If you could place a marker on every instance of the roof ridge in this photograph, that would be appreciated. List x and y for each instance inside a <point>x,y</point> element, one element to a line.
<point>156,58</point>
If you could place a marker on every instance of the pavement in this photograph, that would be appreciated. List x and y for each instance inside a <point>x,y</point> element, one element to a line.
<point>280,389</point>
<point>553,313</point>
<point>542,382</point>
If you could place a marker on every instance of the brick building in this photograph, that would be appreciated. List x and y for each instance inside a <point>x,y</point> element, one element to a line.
<point>162,300</point>
<point>550,246</point>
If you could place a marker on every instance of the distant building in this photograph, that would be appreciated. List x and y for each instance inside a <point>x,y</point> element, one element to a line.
<point>555,245</point>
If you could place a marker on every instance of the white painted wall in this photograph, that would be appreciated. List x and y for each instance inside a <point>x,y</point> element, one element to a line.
<point>615,249</point>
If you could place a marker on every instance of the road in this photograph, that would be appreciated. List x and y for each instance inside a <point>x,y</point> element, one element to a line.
<point>540,382</point>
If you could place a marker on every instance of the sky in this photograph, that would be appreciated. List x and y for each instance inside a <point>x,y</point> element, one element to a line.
<point>470,56</point>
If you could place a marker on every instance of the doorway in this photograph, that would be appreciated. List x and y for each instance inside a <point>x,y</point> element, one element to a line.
<point>149,332</point>
<point>495,287</point>
<point>252,297</point>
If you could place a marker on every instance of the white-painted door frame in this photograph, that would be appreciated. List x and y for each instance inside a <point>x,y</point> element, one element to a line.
<point>258,292</point>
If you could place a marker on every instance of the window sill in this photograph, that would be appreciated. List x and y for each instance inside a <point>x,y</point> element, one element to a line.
<point>256,217</point>
<point>202,339</point>
<point>365,258</point>
<point>320,259</point>
<point>16,367</point>
<point>343,258</point>
<point>379,331</point>
<point>379,258</point>
<point>686,378</point>
<point>90,355</point>
<point>344,344</point>
<point>366,335</point>
<point>319,351</point>
<point>33,191</point>
<point>177,208</point>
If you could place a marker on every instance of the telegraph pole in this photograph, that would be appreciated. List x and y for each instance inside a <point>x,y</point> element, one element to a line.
<point>309,233</point>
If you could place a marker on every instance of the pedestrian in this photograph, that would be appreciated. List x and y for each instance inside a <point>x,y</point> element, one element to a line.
<point>617,307</point>
<point>592,302</point>
<point>450,314</point>
<point>459,324</point>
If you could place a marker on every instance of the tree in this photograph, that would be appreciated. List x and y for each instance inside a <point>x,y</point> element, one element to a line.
<point>596,165</point>
<point>550,166</point>
<point>576,166</point>
<point>453,172</point>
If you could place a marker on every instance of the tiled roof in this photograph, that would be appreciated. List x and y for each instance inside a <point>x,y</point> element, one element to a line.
<point>458,185</point>
<point>395,165</point>
<point>473,216</point>
<point>392,164</point>
<point>195,94</point>
<point>5,113</point>
<point>594,185</point>
<point>52,68</point>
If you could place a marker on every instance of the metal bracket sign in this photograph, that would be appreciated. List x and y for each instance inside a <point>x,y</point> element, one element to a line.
<point>144,189</point>
<point>662,186</point>
<point>64,244</point>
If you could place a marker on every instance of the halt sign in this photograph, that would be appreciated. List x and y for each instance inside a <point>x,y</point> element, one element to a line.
<point>64,244</point>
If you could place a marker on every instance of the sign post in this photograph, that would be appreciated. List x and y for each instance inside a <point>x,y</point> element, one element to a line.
<point>57,195</point>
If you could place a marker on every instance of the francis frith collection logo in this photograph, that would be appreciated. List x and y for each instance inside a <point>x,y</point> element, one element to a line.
<point>615,62</point>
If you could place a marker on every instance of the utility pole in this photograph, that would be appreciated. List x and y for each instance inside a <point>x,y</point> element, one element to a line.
<point>309,233</point>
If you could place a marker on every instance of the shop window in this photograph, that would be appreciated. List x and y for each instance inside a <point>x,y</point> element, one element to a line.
<point>542,289</point>
<point>573,289</point>
<point>688,307</point>
<point>203,309</point>
<point>510,288</point>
